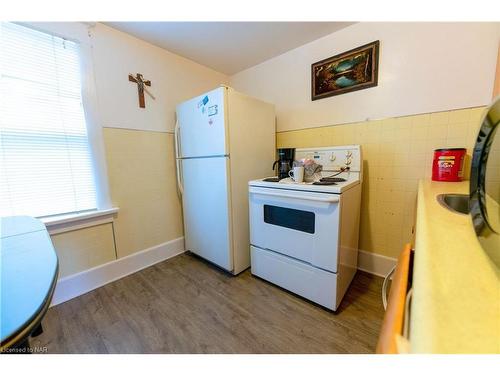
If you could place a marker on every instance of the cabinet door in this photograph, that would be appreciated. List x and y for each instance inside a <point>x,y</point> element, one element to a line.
<point>392,326</point>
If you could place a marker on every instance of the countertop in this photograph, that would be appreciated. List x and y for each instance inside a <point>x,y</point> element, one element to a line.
<point>456,287</point>
<point>28,267</point>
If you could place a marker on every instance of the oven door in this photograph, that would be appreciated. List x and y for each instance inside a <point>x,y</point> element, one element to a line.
<point>301,225</point>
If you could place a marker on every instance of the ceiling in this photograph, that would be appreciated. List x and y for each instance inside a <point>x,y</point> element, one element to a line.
<point>228,47</point>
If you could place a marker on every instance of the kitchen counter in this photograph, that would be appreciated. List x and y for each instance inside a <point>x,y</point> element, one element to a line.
<point>456,287</point>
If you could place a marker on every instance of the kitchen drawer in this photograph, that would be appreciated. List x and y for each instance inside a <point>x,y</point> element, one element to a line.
<point>299,277</point>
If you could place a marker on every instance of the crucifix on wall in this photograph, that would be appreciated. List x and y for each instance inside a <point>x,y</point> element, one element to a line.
<point>141,83</point>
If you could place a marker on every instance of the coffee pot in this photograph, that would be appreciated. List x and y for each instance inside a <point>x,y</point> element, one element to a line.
<point>284,162</point>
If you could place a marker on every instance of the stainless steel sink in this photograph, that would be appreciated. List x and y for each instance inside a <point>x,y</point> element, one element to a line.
<point>458,203</point>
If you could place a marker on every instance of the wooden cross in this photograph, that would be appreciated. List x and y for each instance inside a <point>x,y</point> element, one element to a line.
<point>140,87</point>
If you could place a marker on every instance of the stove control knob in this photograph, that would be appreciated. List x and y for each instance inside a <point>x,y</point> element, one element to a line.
<point>332,157</point>
<point>348,157</point>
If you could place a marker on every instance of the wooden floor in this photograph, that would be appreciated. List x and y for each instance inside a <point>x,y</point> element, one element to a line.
<point>184,305</point>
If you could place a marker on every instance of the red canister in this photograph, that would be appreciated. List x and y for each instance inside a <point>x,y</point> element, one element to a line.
<point>448,164</point>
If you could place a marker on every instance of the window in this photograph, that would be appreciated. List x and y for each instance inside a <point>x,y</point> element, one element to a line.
<point>46,165</point>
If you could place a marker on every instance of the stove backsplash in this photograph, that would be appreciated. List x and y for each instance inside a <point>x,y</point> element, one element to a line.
<point>397,153</point>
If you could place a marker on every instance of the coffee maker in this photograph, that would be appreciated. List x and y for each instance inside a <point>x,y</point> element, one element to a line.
<point>284,163</point>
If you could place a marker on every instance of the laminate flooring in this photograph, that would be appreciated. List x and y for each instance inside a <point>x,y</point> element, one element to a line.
<point>186,305</point>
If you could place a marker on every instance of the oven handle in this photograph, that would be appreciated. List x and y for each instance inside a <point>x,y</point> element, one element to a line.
<point>328,199</point>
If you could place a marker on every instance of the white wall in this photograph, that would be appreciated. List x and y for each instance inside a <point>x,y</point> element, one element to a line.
<point>116,54</point>
<point>423,67</point>
<point>174,79</point>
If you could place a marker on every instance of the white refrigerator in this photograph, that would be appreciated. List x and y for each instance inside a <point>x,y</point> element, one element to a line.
<point>223,140</point>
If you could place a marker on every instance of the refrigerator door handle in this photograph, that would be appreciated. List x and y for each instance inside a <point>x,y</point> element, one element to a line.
<point>176,139</point>
<point>179,182</point>
<point>177,160</point>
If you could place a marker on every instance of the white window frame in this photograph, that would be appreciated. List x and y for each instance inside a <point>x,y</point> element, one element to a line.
<point>81,33</point>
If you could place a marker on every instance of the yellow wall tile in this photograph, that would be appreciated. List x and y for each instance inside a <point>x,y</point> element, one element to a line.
<point>439,118</point>
<point>438,131</point>
<point>397,153</point>
<point>422,119</point>
<point>461,115</point>
<point>419,131</point>
<point>476,114</point>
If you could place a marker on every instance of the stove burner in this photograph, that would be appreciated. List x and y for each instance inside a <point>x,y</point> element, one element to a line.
<point>322,182</point>
<point>332,179</point>
<point>271,179</point>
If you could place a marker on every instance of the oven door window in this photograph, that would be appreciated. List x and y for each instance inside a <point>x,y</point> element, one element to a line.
<point>289,218</point>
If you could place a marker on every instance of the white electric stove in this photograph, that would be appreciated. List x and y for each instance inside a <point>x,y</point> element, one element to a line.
<point>304,236</point>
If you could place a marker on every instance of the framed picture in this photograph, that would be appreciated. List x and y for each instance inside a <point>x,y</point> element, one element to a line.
<point>353,70</point>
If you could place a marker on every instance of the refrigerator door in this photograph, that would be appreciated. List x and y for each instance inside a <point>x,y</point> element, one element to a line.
<point>207,214</point>
<point>202,125</point>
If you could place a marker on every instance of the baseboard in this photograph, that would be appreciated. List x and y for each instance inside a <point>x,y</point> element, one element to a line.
<point>75,285</point>
<point>376,264</point>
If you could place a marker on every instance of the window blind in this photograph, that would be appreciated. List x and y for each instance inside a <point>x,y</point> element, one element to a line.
<point>45,160</point>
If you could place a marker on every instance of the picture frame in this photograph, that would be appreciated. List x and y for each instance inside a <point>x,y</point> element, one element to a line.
<point>356,69</point>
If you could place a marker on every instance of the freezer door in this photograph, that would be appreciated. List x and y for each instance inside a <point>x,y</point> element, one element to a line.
<point>206,209</point>
<point>202,125</point>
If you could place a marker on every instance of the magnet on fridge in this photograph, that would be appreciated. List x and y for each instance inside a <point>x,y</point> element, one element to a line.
<point>205,100</point>
<point>212,110</point>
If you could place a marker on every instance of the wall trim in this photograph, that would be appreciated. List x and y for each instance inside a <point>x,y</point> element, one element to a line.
<point>74,221</point>
<point>171,132</point>
<point>83,282</point>
<point>375,264</point>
